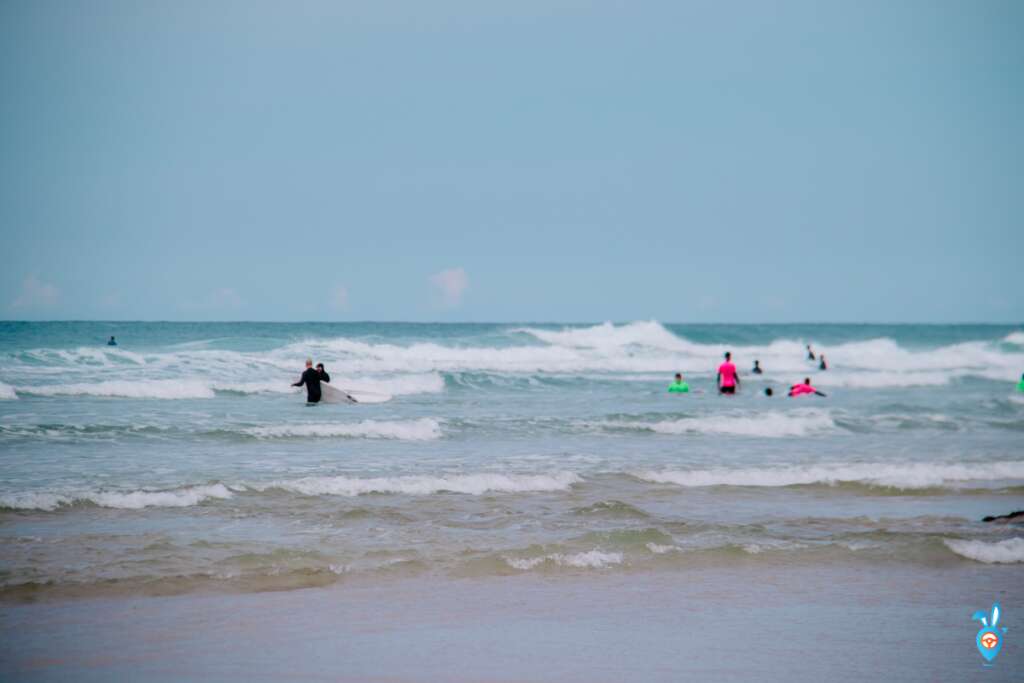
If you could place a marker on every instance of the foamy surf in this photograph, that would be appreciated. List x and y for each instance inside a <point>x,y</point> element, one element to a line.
<point>1009,551</point>
<point>594,559</point>
<point>905,476</point>
<point>414,366</point>
<point>471,484</point>
<point>769,424</point>
<point>423,429</point>
<point>126,500</point>
<point>143,388</point>
<point>7,393</point>
<point>650,334</point>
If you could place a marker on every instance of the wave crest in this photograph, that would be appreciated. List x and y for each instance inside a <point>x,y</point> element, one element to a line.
<point>905,476</point>
<point>473,484</point>
<point>129,500</point>
<point>1001,552</point>
<point>424,429</point>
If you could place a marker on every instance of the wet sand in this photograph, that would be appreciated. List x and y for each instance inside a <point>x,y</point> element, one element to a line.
<point>736,624</point>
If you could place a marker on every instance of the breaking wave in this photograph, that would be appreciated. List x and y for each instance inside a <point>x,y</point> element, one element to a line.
<point>770,424</point>
<point>1001,552</point>
<point>130,500</point>
<point>424,429</point>
<point>472,484</point>
<point>152,388</point>
<point>594,559</point>
<point>905,476</point>
<point>414,367</point>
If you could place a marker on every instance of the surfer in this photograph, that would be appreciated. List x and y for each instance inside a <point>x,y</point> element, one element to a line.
<point>311,378</point>
<point>810,353</point>
<point>757,367</point>
<point>324,377</point>
<point>728,380</point>
<point>679,386</point>
<point>823,365</point>
<point>804,388</point>
<point>112,341</point>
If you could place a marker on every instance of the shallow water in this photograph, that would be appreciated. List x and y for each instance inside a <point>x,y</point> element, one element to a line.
<point>181,460</point>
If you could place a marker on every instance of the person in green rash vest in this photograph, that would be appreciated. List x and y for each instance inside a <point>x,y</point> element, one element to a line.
<point>1020,384</point>
<point>679,386</point>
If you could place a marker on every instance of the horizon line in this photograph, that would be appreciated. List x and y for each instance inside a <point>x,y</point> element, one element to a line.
<point>497,322</point>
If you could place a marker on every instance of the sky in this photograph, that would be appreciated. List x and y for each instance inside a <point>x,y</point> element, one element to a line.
<point>512,161</point>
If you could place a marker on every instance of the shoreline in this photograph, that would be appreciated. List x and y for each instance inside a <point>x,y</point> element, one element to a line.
<point>737,623</point>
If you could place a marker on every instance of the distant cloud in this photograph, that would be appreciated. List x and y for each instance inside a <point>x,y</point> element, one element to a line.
<point>450,284</point>
<point>339,298</point>
<point>36,294</point>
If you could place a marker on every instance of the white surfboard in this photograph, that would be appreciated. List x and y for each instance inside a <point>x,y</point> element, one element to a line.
<point>329,394</point>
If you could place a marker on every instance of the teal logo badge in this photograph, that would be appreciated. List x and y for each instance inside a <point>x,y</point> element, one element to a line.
<point>990,638</point>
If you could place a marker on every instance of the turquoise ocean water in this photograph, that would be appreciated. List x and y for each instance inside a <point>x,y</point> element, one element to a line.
<point>181,460</point>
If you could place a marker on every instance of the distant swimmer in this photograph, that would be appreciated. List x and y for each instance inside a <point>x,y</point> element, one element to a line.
<point>810,353</point>
<point>805,388</point>
<point>823,365</point>
<point>728,380</point>
<point>324,377</point>
<point>768,392</point>
<point>311,378</point>
<point>112,342</point>
<point>679,386</point>
<point>757,367</point>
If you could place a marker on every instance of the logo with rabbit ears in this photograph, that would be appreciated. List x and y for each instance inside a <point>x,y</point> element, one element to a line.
<point>990,638</point>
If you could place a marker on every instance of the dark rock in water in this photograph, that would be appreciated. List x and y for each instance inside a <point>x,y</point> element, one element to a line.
<point>1016,517</point>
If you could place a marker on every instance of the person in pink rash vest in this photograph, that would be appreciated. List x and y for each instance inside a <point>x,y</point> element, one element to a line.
<point>728,380</point>
<point>805,388</point>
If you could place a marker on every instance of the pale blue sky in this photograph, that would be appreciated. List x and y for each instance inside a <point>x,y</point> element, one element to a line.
<point>558,160</point>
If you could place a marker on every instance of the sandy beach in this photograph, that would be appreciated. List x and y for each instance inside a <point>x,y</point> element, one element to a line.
<point>748,623</point>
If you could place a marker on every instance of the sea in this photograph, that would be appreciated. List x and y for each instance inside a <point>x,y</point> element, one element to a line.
<point>183,461</point>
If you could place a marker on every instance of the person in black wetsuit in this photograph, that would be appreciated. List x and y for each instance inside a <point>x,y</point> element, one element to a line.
<point>311,378</point>
<point>823,365</point>
<point>324,377</point>
<point>112,342</point>
<point>757,368</point>
<point>810,353</point>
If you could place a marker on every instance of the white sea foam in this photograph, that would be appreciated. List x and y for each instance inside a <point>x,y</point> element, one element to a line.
<point>904,476</point>
<point>879,380</point>
<point>396,385</point>
<point>423,429</point>
<point>1015,338</point>
<point>183,497</point>
<point>33,500</point>
<point>132,500</point>
<point>649,334</point>
<point>7,392</point>
<point>1001,552</point>
<point>594,559</point>
<point>770,424</point>
<point>150,388</point>
<point>659,549</point>
<point>264,387</point>
<point>473,484</point>
<point>395,369</point>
